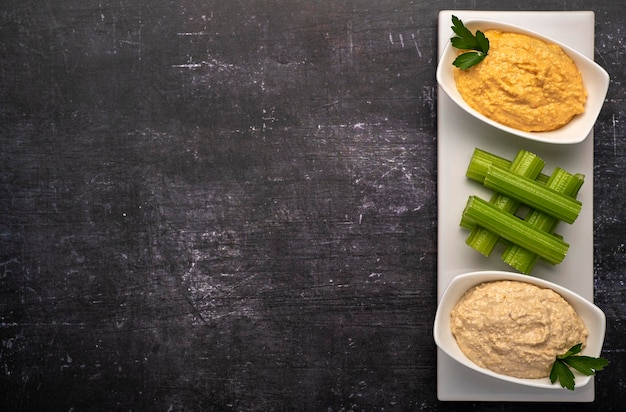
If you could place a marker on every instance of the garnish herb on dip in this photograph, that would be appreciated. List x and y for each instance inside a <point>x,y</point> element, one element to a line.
<point>515,328</point>
<point>476,46</point>
<point>587,365</point>
<point>524,83</point>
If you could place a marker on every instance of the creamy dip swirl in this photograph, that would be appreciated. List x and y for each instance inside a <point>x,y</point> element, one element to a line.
<point>524,83</point>
<point>515,328</point>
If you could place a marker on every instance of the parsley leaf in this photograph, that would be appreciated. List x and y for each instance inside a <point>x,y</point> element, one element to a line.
<point>467,60</point>
<point>586,365</point>
<point>561,372</point>
<point>465,40</point>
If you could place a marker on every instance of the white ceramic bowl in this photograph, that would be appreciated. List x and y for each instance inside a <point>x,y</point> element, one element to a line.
<point>595,80</point>
<point>592,316</point>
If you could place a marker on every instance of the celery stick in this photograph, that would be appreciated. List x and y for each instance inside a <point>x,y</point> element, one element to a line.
<point>516,230</point>
<point>481,161</point>
<point>525,164</point>
<point>533,194</point>
<point>560,181</point>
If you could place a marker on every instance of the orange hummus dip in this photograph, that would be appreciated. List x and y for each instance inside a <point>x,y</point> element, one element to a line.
<point>524,83</point>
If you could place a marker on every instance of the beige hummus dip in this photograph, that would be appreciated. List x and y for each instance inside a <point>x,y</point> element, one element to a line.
<point>515,328</point>
<point>523,83</point>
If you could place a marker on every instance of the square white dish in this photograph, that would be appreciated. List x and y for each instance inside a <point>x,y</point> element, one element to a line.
<point>458,134</point>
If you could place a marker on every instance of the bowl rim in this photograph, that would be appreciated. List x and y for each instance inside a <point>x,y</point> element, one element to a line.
<point>595,78</point>
<point>592,315</point>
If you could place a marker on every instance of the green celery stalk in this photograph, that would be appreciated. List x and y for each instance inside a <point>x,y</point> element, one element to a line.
<point>482,160</point>
<point>561,181</point>
<point>517,231</point>
<point>525,164</point>
<point>533,194</point>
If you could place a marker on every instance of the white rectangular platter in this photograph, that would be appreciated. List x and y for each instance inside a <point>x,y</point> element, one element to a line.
<point>458,134</point>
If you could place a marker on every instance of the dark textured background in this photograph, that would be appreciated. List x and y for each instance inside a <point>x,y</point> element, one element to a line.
<point>231,205</point>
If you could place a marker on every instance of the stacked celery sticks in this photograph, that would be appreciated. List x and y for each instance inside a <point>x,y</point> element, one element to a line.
<point>524,210</point>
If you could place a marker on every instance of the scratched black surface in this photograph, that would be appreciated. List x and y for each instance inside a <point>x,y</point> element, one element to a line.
<point>220,205</point>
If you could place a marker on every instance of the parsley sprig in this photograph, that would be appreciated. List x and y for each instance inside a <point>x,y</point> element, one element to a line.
<point>465,40</point>
<point>586,365</point>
